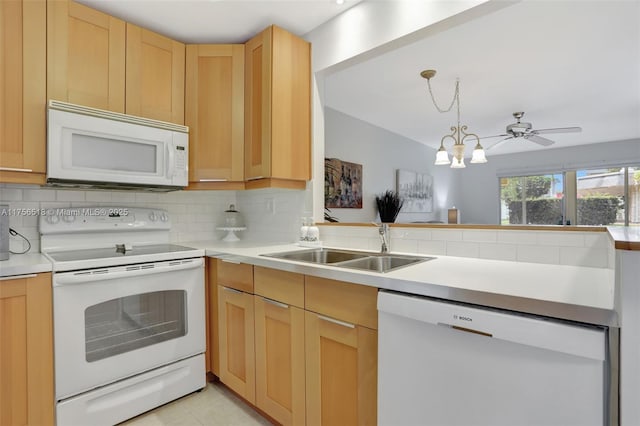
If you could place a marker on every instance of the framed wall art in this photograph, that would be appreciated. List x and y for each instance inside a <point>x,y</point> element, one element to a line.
<point>342,184</point>
<point>416,189</point>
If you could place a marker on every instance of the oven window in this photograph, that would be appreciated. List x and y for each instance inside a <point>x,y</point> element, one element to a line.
<point>133,322</point>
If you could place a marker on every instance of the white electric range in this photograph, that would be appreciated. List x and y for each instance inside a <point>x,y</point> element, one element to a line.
<point>129,312</point>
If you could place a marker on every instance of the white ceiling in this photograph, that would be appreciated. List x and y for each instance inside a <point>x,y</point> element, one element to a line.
<point>221,21</point>
<point>565,63</point>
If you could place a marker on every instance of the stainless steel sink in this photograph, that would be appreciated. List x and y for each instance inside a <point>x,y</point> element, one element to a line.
<point>320,255</point>
<point>384,263</point>
<point>375,262</point>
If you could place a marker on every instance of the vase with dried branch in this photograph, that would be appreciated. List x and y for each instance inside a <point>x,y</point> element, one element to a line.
<point>389,204</point>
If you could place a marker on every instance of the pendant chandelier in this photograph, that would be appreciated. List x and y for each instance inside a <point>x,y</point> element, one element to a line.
<point>458,134</point>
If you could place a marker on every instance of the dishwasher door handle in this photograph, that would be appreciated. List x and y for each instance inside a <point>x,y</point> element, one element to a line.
<point>465,329</point>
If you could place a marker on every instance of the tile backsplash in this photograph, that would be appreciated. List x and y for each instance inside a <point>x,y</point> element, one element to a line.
<point>274,215</point>
<point>577,248</point>
<point>270,215</point>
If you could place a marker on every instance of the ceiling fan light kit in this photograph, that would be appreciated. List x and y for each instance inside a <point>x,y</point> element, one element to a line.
<point>458,133</point>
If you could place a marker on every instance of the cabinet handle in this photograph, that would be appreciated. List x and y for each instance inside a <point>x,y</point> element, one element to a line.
<point>13,169</point>
<point>275,303</point>
<point>18,277</point>
<point>254,178</point>
<point>236,262</point>
<point>212,180</point>
<point>231,290</point>
<point>335,321</point>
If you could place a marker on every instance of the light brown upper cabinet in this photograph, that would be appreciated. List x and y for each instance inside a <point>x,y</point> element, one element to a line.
<point>85,56</point>
<point>214,112</point>
<point>277,110</point>
<point>155,76</point>
<point>96,60</point>
<point>22,91</point>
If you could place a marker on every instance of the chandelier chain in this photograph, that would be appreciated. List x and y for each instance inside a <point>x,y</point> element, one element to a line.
<point>456,96</point>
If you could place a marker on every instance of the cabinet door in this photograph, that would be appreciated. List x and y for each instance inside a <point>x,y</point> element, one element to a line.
<point>85,56</point>
<point>280,370</point>
<point>22,90</point>
<point>290,106</point>
<point>237,349</point>
<point>26,351</point>
<point>155,76</point>
<point>341,367</point>
<point>257,120</point>
<point>214,112</point>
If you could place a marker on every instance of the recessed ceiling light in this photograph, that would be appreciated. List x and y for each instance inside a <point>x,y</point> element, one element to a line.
<point>339,1</point>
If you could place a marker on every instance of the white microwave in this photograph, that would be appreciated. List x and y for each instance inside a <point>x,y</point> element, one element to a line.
<point>88,147</point>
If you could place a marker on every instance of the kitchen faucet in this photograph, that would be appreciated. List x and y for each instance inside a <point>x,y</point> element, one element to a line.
<point>383,230</point>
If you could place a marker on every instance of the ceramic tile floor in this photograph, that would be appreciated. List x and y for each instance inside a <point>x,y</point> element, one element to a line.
<point>215,405</point>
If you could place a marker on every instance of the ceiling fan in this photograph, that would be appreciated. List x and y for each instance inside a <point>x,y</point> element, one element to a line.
<point>526,131</point>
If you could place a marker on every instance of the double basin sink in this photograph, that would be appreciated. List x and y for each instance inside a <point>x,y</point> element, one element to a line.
<point>367,261</point>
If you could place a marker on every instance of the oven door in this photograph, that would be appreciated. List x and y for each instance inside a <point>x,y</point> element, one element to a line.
<point>112,323</point>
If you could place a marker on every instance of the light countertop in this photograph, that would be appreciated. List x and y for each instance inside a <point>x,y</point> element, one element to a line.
<point>22,264</point>
<point>626,238</point>
<point>568,292</point>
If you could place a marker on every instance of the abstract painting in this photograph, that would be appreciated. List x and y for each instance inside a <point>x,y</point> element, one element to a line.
<point>342,184</point>
<point>417,191</point>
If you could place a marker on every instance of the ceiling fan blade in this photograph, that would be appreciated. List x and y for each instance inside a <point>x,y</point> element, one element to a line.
<point>557,130</point>
<point>539,140</point>
<point>495,136</point>
<point>497,143</point>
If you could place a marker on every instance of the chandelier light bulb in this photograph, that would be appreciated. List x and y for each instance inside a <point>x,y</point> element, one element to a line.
<point>478,155</point>
<point>442,157</point>
<point>458,163</point>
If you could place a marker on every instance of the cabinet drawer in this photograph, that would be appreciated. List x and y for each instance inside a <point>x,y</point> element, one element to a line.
<point>353,303</point>
<point>235,275</point>
<point>283,286</point>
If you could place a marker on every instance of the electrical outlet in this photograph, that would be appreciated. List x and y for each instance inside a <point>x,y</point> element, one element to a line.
<point>270,205</point>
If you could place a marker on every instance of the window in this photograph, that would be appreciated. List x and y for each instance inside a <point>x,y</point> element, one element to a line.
<point>604,196</point>
<point>532,199</point>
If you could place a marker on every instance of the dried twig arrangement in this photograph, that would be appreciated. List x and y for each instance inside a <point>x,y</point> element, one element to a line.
<point>389,205</point>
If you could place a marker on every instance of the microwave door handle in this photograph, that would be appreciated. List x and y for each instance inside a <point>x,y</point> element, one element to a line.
<point>172,161</point>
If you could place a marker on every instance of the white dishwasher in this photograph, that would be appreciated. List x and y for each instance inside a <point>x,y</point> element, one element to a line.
<point>442,363</point>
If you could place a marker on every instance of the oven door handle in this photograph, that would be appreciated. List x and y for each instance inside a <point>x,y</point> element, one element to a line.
<point>104,274</point>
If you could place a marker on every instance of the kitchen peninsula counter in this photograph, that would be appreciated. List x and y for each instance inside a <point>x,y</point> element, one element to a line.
<point>575,293</point>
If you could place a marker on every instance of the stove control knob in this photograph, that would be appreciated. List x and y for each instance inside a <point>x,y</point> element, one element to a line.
<point>153,216</point>
<point>69,218</point>
<point>164,216</point>
<point>53,219</point>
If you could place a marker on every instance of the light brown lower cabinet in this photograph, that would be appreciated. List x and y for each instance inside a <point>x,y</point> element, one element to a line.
<point>280,363</point>
<point>302,349</point>
<point>236,339</point>
<point>26,351</point>
<point>341,372</point>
